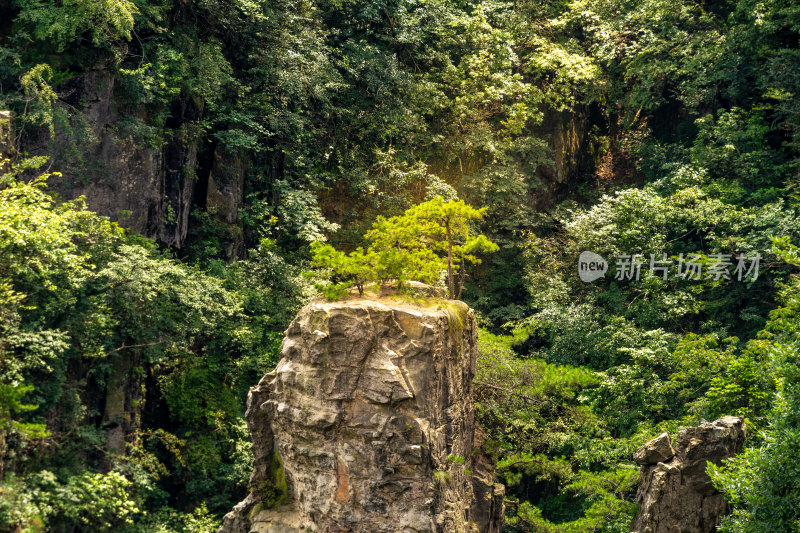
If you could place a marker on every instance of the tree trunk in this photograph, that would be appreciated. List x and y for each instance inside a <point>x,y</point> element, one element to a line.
<point>450,281</point>
<point>461,275</point>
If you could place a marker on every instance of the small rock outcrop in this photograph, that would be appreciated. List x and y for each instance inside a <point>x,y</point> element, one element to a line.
<point>675,492</point>
<point>366,425</point>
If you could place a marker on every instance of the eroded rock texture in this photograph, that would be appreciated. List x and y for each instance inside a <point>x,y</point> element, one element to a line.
<point>366,425</point>
<point>675,493</point>
<point>146,179</point>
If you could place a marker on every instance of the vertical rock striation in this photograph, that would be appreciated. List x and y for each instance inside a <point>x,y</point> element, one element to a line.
<point>366,425</point>
<point>146,178</point>
<point>120,178</point>
<point>675,492</point>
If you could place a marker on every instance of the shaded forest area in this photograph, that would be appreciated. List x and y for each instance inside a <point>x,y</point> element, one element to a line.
<point>229,136</point>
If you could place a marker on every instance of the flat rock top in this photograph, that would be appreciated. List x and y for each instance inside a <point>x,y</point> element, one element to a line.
<point>420,304</point>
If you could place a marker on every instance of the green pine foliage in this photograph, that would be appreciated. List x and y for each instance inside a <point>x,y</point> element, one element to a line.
<point>430,239</point>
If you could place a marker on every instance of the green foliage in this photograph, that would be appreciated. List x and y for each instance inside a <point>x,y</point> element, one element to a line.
<point>22,504</point>
<point>103,22</point>
<point>441,480</point>
<point>357,266</point>
<point>11,404</point>
<point>735,146</point>
<point>744,388</point>
<point>607,504</point>
<point>528,404</point>
<point>102,502</point>
<point>762,482</point>
<point>81,298</point>
<point>445,229</point>
<point>38,97</point>
<point>344,114</point>
<point>44,263</point>
<point>418,245</point>
<point>167,520</point>
<point>97,501</point>
<point>533,415</point>
<point>299,215</point>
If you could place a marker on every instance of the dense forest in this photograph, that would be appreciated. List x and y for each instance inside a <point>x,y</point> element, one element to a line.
<point>649,132</point>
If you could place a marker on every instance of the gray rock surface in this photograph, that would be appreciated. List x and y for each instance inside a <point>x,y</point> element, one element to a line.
<point>120,177</point>
<point>655,451</point>
<point>366,425</point>
<point>149,186</point>
<point>675,493</point>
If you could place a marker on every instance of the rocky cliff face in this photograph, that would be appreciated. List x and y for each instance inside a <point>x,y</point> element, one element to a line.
<point>120,178</point>
<point>151,190</point>
<point>151,186</point>
<point>675,492</point>
<point>574,153</point>
<point>366,425</point>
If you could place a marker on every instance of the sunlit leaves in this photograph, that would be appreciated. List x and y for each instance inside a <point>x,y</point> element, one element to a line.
<point>104,22</point>
<point>429,238</point>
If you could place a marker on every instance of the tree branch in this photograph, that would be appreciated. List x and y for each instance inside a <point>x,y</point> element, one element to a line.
<point>124,347</point>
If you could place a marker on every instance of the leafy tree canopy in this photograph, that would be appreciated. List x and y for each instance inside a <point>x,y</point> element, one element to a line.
<point>429,238</point>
